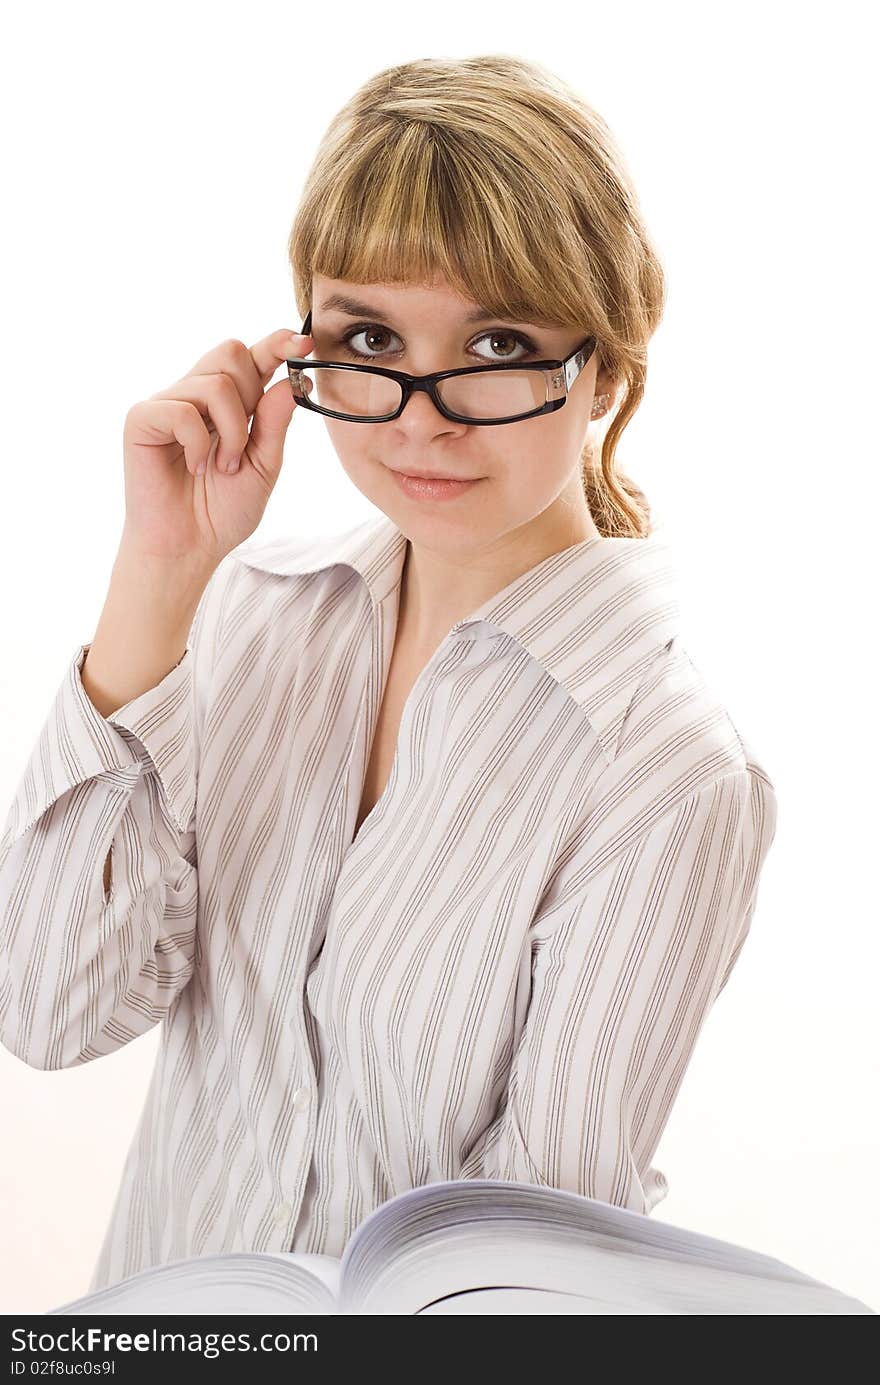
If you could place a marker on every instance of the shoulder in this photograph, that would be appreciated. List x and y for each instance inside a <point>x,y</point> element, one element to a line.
<point>678,743</point>
<point>678,728</point>
<point>250,575</point>
<point>681,772</point>
<point>291,582</point>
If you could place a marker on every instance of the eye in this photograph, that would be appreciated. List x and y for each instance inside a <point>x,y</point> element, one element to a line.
<point>370,331</point>
<point>500,334</point>
<point>374,334</point>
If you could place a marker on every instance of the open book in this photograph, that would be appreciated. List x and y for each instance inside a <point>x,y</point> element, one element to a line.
<point>486,1247</point>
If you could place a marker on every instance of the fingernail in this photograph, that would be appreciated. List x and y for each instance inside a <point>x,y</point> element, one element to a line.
<point>233,465</point>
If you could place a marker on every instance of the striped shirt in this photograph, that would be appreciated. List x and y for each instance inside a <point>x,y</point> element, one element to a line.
<point>502,974</point>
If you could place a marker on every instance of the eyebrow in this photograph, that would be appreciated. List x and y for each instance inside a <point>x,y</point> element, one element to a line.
<point>357,309</point>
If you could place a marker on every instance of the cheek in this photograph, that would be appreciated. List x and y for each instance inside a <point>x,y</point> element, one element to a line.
<point>345,439</point>
<point>355,446</point>
<point>547,449</point>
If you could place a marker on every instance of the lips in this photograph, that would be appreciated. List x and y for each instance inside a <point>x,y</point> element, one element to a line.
<point>427,489</point>
<point>431,475</point>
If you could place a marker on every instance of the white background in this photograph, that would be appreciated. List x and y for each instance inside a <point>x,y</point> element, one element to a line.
<point>152,162</point>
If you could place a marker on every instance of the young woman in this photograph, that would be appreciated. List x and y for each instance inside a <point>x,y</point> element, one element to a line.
<point>427,842</point>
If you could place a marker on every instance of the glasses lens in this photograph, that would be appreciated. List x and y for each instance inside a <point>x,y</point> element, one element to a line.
<point>362,394</point>
<point>355,393</point>
<point>494,393</point>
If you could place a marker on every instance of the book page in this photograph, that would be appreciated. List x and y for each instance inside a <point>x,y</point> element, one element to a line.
<point>516,1302</point>
<point>444,1239</point>
<point>325,1267</point>
<point>239,1282</point>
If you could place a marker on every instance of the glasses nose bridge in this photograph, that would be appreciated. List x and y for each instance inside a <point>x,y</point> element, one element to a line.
<point>424,384</point>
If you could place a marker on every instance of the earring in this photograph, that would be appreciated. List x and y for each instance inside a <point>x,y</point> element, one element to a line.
<point>599,404</point>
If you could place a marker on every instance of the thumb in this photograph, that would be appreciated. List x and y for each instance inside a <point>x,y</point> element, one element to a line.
<point>269,428</point>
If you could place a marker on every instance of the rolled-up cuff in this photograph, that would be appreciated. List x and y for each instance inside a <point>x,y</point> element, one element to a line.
<point>152,731</point>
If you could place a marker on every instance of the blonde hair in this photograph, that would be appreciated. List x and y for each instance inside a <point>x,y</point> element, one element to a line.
<point>492,173</point>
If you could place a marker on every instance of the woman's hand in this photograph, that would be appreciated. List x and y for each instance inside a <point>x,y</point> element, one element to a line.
<point>181,498</point>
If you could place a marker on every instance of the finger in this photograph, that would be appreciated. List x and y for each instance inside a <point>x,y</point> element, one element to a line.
<point>273,413</point>
<point>157,422</point>
<point>218,400</point>
<point>269,353</point>
<point>251,367</point>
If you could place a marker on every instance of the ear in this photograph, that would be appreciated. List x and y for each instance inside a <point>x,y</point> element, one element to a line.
<point>607,385</point>
<point>606,381</point>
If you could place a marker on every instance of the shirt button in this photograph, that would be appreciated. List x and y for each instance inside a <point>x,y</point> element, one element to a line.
<point>282,1212</point>
<point>300,1098</point>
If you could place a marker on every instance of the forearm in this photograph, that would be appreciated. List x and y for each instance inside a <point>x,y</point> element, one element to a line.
<point>142,632</point>
<point>143,628</point>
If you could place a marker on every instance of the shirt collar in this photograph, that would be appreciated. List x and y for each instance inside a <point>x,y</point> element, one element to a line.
<point>594,615</point>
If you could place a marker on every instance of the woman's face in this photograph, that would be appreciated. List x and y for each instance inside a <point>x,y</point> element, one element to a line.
<point>519,469</point>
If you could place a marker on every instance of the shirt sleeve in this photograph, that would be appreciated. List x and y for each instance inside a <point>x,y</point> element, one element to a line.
<point>82,973</point>
<point>623,976</point>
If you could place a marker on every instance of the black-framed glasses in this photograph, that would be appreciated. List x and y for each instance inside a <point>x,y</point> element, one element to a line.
<point>480,395</point>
